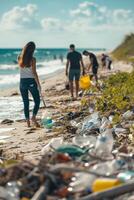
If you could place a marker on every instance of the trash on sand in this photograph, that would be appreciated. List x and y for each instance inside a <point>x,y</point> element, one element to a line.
<point>104,144</point>
<point>53,144</point>
<point>84,141</point>
<point>128,114</point>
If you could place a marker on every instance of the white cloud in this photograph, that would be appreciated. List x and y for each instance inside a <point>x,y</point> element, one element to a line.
<point>19,17</point>
<point>83,9</point>
<point>121,16</point>
<point>49,24</point>
<point>87,4</point>
<point>96,17</point>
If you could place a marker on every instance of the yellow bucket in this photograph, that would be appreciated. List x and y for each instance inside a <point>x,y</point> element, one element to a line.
<point>85,82</point>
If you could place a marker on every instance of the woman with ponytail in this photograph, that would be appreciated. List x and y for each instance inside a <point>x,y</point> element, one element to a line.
<point>29,81</point>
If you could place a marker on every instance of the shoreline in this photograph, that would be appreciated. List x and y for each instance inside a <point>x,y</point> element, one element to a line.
<point>15,89</point>
<point>118,66</point>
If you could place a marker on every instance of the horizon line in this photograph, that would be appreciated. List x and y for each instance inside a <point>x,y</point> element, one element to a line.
<point>55,48</point>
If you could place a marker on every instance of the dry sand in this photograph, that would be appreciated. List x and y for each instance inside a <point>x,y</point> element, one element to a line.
<point>27,142</point>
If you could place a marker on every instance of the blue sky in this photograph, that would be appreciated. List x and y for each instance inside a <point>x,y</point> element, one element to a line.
<point>57,23</point>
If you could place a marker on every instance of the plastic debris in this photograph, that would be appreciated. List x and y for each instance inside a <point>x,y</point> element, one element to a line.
<point>104,144</point>
<point>104,184</point>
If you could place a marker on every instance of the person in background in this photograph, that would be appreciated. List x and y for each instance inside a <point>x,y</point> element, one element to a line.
<point>74,61</point>
<point>103,61</point>
<point>108,62</point>
<point>29,81</point>
<point>94,63</point>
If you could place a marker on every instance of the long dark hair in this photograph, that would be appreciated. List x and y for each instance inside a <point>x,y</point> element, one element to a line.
<point>26,55</point>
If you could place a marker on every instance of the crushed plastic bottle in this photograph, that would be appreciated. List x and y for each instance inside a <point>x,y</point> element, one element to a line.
<point>84,141</point>
<point>53,144</point>
<point>81,182</point>
<point>13,191</point>
<point>102,184</point>
<point>104,144</point>
<point>109,167</point>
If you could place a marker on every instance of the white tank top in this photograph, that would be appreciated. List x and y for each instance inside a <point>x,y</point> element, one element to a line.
<point>26,72</point>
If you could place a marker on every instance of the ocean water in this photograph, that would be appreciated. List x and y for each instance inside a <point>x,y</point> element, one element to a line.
<point>48,61</point>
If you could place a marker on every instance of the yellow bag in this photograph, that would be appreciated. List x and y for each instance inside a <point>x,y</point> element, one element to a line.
<point>85,82</point>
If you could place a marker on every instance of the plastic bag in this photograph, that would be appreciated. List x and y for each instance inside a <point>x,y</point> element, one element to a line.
<point>91,123</point>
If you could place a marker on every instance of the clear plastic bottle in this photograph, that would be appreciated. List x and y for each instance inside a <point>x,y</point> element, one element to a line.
<point>104,144</point>
<point>46,119</point>
<point>109,167</point>
<point>126,176</point>
<point>81,182</point>
<point>84,141</point>
<point>53,144</point>
<point>13,191</point>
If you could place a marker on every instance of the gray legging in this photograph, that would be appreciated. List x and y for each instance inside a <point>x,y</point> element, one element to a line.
<point>29,84</point>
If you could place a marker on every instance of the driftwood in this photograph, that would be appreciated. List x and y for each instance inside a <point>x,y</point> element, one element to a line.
<point>111,193</point>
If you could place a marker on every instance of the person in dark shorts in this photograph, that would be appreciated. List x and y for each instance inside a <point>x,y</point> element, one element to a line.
<point>74,61</point>
<point>94,63</point>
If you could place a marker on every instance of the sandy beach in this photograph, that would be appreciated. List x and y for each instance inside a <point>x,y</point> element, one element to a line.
<point>27,143</point>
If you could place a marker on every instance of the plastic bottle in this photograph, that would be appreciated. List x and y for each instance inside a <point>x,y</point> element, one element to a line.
<point>53,144</point>
<point>104,144</point>
<point>104,184</point>
<point>108,167</point>
<point>126,176</point>
<point>56,142</point>
<point>83,141</point>
<point>13,191</point>
<point>46,120</point>
<point>81,182</point>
